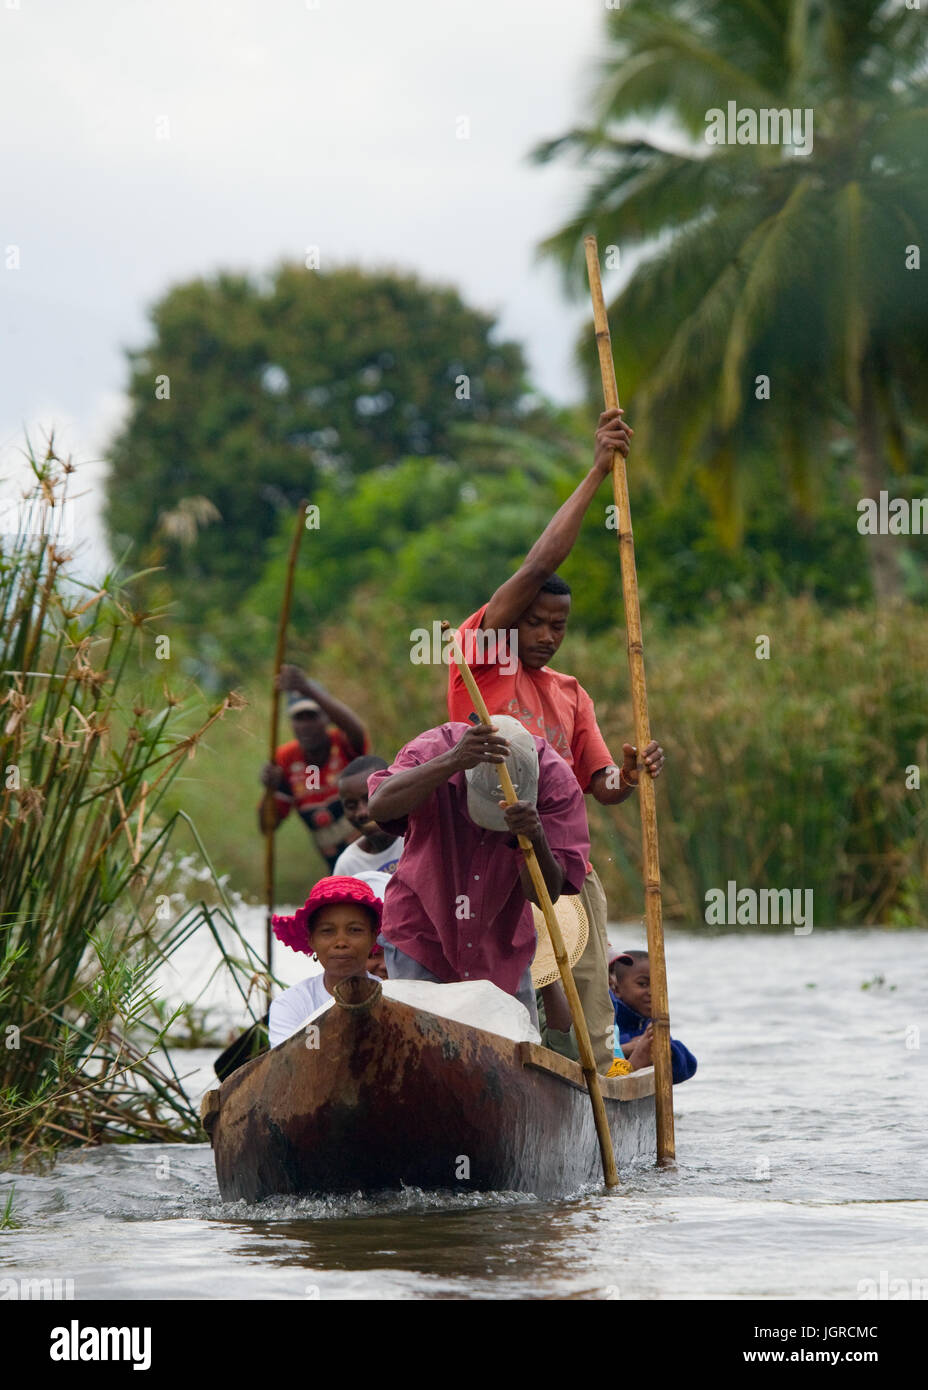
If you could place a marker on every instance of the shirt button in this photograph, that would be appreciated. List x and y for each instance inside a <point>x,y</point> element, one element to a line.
<point>469,945</point>
<point>467,974</point>
<point>476,876</point>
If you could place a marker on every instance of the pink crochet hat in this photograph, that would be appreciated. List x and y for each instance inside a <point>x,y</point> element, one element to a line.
<point>295,931</point>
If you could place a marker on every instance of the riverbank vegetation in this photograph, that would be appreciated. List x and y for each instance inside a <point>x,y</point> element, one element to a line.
<point>92,735</point>
<point>205,482</point>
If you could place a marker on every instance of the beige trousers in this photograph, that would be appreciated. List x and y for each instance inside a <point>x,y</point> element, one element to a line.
<point>591,974</point>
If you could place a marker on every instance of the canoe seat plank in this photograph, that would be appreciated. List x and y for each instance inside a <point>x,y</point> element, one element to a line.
<point>631,1087</point>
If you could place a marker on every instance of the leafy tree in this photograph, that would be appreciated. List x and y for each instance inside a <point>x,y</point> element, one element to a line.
<point>432,538</point>
<point>427,534</point>
<point>759,262</point>
<point>251,393</point>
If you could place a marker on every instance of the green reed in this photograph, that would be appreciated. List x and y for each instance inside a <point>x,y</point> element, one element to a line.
<point>806,770</point>
<point>91,738</point>
<point>8,1221</point>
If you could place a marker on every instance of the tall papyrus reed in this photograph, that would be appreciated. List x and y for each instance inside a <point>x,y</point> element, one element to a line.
<point>91,736</point>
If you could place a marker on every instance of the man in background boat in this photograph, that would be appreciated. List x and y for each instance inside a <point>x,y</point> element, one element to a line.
<point>328,736</point>
<point>457,906</point>
<point>531,610</point>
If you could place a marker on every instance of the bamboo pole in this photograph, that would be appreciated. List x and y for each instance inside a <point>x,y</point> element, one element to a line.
<point>584,1046</point>
<point>663,1073</point>
<point>268,812</point>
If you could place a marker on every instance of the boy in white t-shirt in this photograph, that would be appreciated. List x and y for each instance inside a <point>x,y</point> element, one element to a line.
<point>376,849</point>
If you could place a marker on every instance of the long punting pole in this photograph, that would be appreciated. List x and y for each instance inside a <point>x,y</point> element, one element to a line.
<point>581,1032</point>
<point>268,815</point>
<point>663,1076</point>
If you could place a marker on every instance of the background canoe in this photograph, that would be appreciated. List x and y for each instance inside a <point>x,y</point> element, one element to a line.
<point>393,1095</point>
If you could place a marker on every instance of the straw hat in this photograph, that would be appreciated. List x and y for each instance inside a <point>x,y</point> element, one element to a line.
<point>575,929</point>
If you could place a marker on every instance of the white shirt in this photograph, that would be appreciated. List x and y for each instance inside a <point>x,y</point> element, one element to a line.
<point>290,1010</point>
<point>353,860</point>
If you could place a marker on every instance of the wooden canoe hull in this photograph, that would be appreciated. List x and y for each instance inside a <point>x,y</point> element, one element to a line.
<point>395,1096</point>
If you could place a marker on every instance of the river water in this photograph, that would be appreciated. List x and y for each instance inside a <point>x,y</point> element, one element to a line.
<point>801,1172</point>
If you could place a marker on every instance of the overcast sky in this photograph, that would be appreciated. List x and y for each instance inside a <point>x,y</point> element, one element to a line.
<point>146,141</point>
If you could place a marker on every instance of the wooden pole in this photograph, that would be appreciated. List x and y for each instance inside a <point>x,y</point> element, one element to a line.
<point>268,812</point>
<point>663,1072</point>
<point>582,1033</point>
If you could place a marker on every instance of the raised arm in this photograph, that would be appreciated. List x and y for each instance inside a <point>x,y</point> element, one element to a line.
<point>403,791</point>
<point>557,539</point>
<point>292,678</point>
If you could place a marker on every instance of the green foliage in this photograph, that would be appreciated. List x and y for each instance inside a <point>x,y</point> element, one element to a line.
<point>90,742</point>
<point>275,386</point>
<point>686,567</point>
<point>425,531</point>
<point>8,1221</point>
<point>194,1020</point>
<point>435,538</point>
<point>789,771</point>
<point>755,262</point>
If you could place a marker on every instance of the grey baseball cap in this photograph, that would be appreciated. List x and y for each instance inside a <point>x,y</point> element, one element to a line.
<point>484,792</point>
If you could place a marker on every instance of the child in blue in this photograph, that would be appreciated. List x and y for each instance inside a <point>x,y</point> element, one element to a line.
<point>630,987</point>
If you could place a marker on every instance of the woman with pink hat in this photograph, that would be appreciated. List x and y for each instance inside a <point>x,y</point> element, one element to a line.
<point>338,926</point>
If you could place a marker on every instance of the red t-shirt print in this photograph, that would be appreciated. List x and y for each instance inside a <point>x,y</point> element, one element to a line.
<point>319,806</point>
<point>292,761</point>
<point>549,704</point>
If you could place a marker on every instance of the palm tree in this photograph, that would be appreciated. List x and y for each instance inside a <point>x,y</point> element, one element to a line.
<point>758,261</point>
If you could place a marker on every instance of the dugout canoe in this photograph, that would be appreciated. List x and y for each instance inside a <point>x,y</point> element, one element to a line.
<point>395,1096</point>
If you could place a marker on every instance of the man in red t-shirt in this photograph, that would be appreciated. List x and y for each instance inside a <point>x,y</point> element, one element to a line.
<point>515,679</point>
<point>305,772</point>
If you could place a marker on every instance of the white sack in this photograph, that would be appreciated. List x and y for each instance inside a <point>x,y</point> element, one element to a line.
<point>477,1003</point>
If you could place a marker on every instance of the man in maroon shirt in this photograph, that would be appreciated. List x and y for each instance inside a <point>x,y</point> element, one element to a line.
<point>457,907</point>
